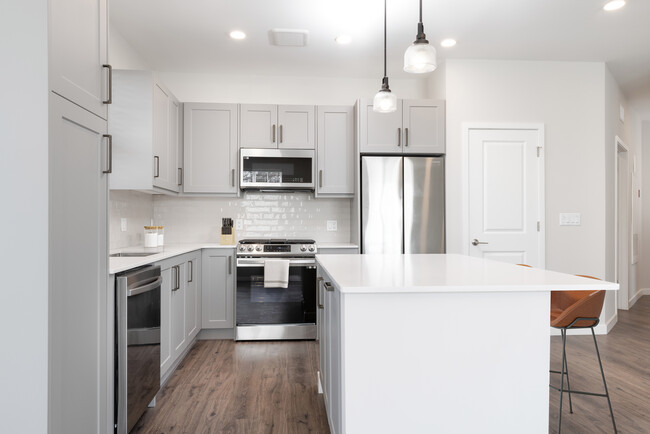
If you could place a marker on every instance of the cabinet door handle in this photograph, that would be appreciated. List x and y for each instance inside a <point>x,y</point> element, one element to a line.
<point>319,279</point>
<point>273,133</point>
<point>177,283</point>
<point>229,264</point>
<point>280,133</point>
<point>232,176</point>
<point>406,136</point>
<point>180,176</point>
<point>320,178</point>
<point>156,160</point>
<point>191,271</point>
<point>399,137</point>
<point>328,286</point>
<point>110,84</point>
<point>110,153</point>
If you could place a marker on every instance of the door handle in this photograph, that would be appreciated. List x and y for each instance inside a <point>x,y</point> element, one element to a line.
<point>319,279</point>
<point>110,153</point>
<point>320,178</point>
<point>280,133</point>
<point>110,84</point>
<point>180,176</point>
<point>476,242</point>
<point>177,285</point>
<point>191,264</point>
<point>328,286</point>
<point>399,137</point>
<point>156,159</point>
<point>273,133</point>
<point>406,136</point>
<point>233,177</point>
<point>229,264</point>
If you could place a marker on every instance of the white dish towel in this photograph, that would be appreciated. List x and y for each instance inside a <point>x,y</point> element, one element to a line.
<point>276,273</point>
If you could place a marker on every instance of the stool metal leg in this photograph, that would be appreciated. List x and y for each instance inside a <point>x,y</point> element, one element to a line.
<point>602,373</point>
<point>559,419</point>
<point>568,382</point>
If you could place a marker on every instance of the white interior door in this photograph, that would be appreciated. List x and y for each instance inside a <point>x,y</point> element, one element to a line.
<point>506,205</point>
<point>623,224</point>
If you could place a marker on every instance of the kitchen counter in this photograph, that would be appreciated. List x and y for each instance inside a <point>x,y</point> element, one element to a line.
<point>119,264</point>
<point>337,246</point>
<point>444,273</point>
<point>437,343</point>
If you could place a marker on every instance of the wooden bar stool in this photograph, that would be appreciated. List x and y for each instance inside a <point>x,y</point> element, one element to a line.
<point>577,310</point>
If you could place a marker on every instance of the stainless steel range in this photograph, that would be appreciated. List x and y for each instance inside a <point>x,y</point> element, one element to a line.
<point>272,311</point>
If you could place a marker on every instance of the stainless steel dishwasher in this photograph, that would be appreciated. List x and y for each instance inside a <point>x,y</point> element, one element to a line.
<point>137,344</point>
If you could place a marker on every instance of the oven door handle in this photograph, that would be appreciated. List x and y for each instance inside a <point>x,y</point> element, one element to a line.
<point>250,262</point>
<point>151,284</point>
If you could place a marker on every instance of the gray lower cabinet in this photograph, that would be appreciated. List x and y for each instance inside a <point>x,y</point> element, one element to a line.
<point>330,351</point>
<point>218,288</point>
<point>78,249</point>
<point>180,307</point>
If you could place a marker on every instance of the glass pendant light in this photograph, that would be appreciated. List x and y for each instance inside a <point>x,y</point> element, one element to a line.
<point>421,56</point>
<point>384,101</point>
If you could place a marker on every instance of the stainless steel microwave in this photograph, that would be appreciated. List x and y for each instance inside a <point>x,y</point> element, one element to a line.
<point>276,169</point>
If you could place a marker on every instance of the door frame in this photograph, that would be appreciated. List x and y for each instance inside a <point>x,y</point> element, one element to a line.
<point>539,127</point>
<point>620,146</point>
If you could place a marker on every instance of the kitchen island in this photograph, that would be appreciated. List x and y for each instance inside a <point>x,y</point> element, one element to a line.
<point>436,343</point>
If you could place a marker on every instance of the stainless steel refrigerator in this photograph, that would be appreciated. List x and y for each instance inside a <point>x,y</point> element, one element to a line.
<point>402,204</point>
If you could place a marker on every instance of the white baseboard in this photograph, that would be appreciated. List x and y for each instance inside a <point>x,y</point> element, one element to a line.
<point>640,293</point>
<point>216,334</point>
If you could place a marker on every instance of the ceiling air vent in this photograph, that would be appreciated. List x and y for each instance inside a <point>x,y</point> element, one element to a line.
<point>288,37</point>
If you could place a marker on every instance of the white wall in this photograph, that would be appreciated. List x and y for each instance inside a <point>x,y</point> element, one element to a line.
<point>628,132</point>
<point>644,259</point>
<point>260,89</point>
<point>569,99</point>
<point>121,54</point>
<point>24,217</point>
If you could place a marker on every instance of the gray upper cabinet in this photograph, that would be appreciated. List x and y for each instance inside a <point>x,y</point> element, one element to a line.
<point>416,127</point>
<point>78,49</point>
<point>272,126</point>
<point>335,126</point>
<point>423,122</point>
<point>145,122</point>
<point>210,148</point>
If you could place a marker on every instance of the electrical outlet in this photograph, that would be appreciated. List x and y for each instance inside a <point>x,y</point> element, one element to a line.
<point>239,224</point>
<point>332,225</point>
<point>570,219</point>
<point>123,224</point>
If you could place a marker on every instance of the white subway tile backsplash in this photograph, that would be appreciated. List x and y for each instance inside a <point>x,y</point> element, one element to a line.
<point>137,208</point>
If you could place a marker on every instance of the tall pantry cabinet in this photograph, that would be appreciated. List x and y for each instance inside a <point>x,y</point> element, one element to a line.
<point>79,149</point>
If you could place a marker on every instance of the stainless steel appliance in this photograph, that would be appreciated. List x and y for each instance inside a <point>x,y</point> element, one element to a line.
<point>402,204</point>
<point>137,344</point>
<point>277,169</point>
<point>276,313</point>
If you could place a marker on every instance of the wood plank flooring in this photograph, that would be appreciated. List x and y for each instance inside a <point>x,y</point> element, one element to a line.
<point>625,353</point>
<point>244,387</point>
<point>271,387</point>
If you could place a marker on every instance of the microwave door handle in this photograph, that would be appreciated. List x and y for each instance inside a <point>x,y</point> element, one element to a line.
<point>146,287</point>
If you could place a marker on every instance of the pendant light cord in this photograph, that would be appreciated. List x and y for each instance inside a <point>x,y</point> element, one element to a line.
<point>420,10</point>
<point>385,38</point>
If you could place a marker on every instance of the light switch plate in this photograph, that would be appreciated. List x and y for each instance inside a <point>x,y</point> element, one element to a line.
<point>332,225</point>
<point>569,219</point>
<point>123,224</point>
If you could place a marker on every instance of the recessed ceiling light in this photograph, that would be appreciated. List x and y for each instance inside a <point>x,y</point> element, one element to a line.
<point>614,5</point>
<point>343,39</point>
<point>447,43</point>
<point>237,34</point>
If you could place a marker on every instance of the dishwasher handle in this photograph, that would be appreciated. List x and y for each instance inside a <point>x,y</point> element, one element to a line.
<point>148,286</point>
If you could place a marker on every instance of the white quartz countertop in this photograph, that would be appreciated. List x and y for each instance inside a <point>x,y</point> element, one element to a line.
<point>119,264</point>
<point>444,273</point>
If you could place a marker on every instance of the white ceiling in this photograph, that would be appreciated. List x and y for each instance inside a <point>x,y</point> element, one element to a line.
<point>192,36</point>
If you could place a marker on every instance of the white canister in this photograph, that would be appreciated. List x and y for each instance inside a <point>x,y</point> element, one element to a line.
<point>161,236</point>
<point>151,236</point>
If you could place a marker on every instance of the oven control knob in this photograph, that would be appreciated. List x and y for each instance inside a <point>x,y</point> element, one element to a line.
<point>242,248</point>
<point>311,248</point>
<point>303,249</point>
<point>250,248</point>
<point>258,248</point>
